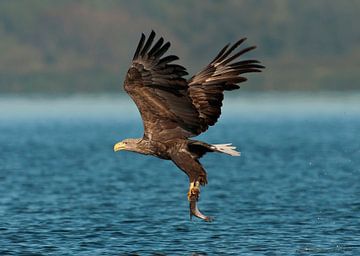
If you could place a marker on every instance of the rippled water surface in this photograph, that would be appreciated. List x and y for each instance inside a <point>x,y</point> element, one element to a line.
<point>295,190</point>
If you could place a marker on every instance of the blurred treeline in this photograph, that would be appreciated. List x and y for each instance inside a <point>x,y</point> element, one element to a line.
<point>86,46</point>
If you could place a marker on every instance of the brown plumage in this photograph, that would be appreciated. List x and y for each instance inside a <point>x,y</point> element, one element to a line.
<point>174,109</point>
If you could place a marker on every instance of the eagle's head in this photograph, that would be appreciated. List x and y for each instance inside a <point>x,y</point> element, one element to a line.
<point>127,144</point>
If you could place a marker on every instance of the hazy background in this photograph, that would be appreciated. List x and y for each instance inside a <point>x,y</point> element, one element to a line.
<point>86,46</point>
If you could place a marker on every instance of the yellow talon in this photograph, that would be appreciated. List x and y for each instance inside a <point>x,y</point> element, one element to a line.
<point>194,191</point>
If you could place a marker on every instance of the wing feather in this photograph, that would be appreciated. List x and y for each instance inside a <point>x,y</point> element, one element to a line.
<point>160,92</point>
<point>206,88</point>
<point>139,47</point>
<point>148,43</point>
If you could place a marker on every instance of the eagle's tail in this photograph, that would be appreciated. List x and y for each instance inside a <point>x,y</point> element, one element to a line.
<point>225,148</point>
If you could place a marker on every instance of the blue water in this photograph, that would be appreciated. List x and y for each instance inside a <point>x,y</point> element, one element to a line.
<point>295,190</point>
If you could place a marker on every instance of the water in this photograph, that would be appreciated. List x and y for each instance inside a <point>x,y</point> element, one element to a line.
<point>294,191</point>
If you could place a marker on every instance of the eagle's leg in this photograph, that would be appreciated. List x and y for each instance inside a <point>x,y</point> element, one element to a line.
<point>193,197</point>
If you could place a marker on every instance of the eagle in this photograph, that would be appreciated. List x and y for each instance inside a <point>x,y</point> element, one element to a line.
<point>174,109</point>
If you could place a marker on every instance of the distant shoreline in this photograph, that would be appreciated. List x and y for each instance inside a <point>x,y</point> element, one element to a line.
<point>114,106</point>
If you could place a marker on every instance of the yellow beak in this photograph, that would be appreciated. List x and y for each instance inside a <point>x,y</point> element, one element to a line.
<point>119,146</point>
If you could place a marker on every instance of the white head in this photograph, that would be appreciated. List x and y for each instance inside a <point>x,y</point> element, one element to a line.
<point>127,144</point>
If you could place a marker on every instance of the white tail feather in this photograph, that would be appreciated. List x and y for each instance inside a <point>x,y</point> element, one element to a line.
<point>226,148</point>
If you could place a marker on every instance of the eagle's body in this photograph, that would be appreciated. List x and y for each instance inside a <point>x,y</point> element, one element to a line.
<point>174,109</point>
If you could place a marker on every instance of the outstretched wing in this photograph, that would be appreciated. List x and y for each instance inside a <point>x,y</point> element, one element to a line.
<point>222,74</point>
<point>160,92</point>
